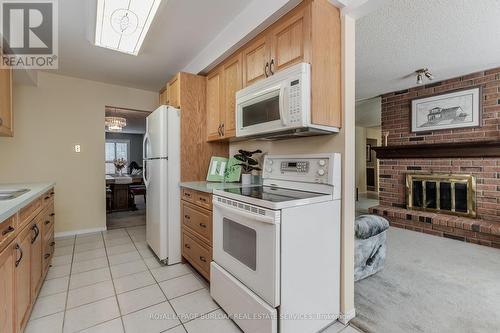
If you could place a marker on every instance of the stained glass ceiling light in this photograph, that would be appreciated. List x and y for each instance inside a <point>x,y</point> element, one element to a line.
<point>122,25</point>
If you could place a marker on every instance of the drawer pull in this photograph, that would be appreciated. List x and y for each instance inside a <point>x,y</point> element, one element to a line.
<point>8,230</point>
<point>47,222</point>
<point>47,198</point>
<point>52,243</point>
<point>203,259</point>
<point>47,255</point>
<point>187,194</point>
<point>52,214</point>
<point>187,217</point>
<point>203,225</point>
<point>187,246</point>
<point>18,248</point>
<point>35,229</point>
<point>52,193</point>
<point>203,199</point>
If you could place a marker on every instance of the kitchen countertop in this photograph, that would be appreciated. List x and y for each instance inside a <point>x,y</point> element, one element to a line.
<point>209,187</point>
<point>9,207</point>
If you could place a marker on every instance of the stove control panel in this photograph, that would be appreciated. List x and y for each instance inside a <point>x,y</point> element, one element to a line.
<point>316,168</point>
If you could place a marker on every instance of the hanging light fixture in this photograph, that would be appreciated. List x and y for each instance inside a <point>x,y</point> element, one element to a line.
<point>115,124</point>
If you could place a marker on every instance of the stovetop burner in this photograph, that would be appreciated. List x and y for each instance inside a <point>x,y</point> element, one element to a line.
<point>273,194</point>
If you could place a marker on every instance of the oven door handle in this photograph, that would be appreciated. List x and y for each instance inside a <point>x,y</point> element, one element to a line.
<point>259,218</point>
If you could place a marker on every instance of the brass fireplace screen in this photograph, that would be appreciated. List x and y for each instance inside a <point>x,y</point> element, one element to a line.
<point>442,193</point>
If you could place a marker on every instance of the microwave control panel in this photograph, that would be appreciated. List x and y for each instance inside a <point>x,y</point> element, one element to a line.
<point>295,102</point>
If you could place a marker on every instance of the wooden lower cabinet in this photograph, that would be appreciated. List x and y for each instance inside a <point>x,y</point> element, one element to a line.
<point>7,290</point>
<point>23,261</point>
<point>22,284</point>
<point>196,216</point>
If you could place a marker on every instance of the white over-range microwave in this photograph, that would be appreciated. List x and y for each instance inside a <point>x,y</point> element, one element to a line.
<point>278,106</point>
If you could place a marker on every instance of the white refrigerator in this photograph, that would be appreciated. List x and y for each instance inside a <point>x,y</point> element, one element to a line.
<point>161,155</point>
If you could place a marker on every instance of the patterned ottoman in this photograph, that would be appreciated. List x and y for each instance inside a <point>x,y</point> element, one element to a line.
<point>370,245</point>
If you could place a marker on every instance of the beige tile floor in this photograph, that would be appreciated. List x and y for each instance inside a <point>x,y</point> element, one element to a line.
<point>111,282</point>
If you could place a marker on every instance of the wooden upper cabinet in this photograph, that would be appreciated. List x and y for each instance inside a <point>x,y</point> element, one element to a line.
<point>214,105</point>
<point>255,60</point>
<point>290,40</point>
<point>174,91</point>
<point>164,96</point>
<point>6,119</point>
<point>232,73</point>
<point>7,290</point>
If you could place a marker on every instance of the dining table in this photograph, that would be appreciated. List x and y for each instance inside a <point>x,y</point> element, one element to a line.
<point>119,185</point>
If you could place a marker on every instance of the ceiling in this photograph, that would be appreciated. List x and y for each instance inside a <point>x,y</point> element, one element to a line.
<point>136,120</point>
<point>451,37</point>
<point>181,30</point>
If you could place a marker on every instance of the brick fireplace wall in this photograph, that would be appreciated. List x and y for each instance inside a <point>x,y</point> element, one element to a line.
<point>396,108</point>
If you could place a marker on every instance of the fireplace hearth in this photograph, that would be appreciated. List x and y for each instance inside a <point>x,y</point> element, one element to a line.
<point>453,194</point>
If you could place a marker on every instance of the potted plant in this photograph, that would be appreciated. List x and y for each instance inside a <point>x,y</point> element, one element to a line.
<point>248,164</point>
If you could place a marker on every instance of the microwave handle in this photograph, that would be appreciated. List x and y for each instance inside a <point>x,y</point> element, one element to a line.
<point>283,104</point>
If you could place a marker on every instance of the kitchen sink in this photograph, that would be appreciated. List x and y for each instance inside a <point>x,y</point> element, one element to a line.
<point>9,194</point>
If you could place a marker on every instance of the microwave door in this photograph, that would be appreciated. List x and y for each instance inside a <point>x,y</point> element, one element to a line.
<point>261,113</point>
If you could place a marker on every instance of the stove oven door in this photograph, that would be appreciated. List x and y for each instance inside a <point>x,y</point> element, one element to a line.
<point>246,243</point>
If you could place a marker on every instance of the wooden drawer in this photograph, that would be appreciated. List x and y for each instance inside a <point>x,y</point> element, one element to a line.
<point>197,254</point>
<point>29,212</point>
<point>188,195</point>
<point>8,231</point>
<point>199,220</point>
<point>48,198</point>
<point>48,246</point>
<point>48,219</point>
<point>203,200</point>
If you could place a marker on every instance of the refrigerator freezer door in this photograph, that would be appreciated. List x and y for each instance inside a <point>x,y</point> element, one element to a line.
<point>157,209</point>
<point>156,137</point>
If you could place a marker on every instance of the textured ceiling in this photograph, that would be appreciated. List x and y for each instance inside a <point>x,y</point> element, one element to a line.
<point>451,37</point>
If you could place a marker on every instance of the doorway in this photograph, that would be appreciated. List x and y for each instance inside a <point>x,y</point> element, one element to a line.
<point>126,194</point>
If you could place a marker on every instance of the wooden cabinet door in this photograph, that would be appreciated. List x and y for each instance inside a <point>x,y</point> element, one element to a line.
<point>36,255</point>
<point>7,290</point>
<point>22,267</point>
<point>6,120</point>
<point>232,82</point>
<point>255,57</point>
<point>290,40</point>
<point>214,103</point>
<point>174,92</point>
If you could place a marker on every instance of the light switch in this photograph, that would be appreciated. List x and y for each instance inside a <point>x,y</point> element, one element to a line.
<point>77,148</point>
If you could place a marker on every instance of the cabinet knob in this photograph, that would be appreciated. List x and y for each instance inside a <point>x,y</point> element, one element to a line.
<point>203,199</point>
<point>47,222</point>
<point>187,246</point>
<point>187,217</point>
<point>1,121</point>
<point>53,214</point>
<point>46,256</point>
<point>203,225</point>
<point>203,259</point>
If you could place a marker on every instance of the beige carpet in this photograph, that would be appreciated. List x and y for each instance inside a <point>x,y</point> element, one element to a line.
<point>128,219</point>
<point>431,284</point>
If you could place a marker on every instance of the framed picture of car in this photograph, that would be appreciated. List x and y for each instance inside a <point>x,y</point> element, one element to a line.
<point>457,109</point>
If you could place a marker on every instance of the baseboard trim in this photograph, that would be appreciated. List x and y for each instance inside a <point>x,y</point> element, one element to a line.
<point>79,232</point>
<point>345,318</point>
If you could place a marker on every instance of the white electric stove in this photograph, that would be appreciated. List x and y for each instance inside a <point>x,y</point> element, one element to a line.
<point>276,248</point>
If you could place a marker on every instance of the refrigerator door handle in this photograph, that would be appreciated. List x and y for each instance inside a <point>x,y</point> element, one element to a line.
<point>144,172</point>
<point>145,144</point>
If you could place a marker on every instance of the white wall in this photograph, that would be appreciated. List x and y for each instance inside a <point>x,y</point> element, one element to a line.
<point>49,119</point>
